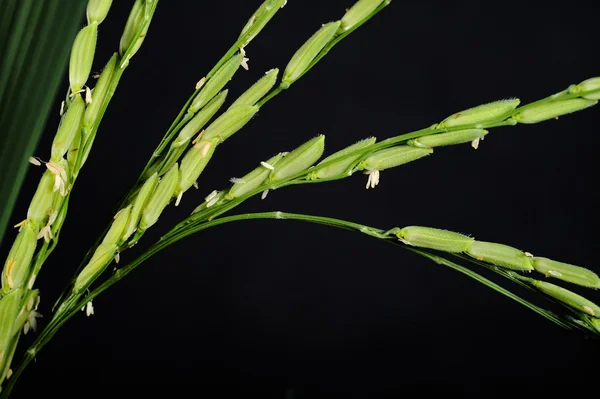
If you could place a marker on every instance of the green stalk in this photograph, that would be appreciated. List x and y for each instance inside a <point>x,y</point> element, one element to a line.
<point>74,305</point>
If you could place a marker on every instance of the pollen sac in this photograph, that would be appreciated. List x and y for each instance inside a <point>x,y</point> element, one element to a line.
<point>481,114</point>
<point>102,257</point>
<point>97,10</point>
<point>298,160</point>
<point>450,138</point>
<point>29,304</point>
<point>337,168</point>
<point>428,237</point>
<point>568,298</point>
<point>260,18</point>
<point>18,265</point>
<point>359,11</point>
<point>589,85</point>
<point>134,24</point>
<point>42,199</point>
<point>200,120</point>
<point>566,272</point>
<point>82,56</point>
<point>252,180</point>
<point>161,197</point>
<point>216,83</point>
<point>394,156</point>
<point>92,111</point>
<point>141,199</point>
<point>70,125</point>
<point>500,255</point>
<point>258,89</point>
<point>208,203</point>
<point>551,110</point>
<point>230,122</point>
<point>306,54</point>
<point>117,228</point>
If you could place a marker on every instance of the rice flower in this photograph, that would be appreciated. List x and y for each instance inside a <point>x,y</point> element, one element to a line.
<point>100,92</point>
<point>566,272</point>
<point>260,18</point>
<point>67,130</point>
<point>551,110</point>
<point>500,255</point>
<point>254,179</point>
<point>193,164</point>
<point>230,122</point>
<point>308,52</point>
<point>589,85</point>
<point>568,298</point>
<point>337,168</point>
<point>161,197</point>
<point>18,265</point>
<point>139,204</point>
<point>299,159</point>
<point>481,114</point>
<point>82,56</point>
<point>200,119</point>
<point>102,257</point>
<point>117,228</point>
<point>97,10</point>
<point>428,237</point>
<point>42,200</point>
<point>216,83</point>
<point>357,13</point>
<point>450,138</point>
<point>258,89</point>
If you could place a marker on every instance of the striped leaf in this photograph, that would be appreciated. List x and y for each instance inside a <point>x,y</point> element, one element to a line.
<point>35,41</point>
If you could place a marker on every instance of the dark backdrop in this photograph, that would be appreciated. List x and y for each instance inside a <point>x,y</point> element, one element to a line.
<point>265,306</point>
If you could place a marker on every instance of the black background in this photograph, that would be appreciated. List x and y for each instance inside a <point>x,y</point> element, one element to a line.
<point>262,307</point>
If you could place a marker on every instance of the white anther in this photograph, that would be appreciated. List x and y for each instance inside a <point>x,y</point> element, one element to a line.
<point>244,63</point>
<point>268,166</point>
<point>178,200</point>
<point>34,161</point>
<point>89,309</point>
<point>212,202</point>
<point>88,95</point>
<point>373,179</point>
<point>212,195</point>
<point>200,83</point>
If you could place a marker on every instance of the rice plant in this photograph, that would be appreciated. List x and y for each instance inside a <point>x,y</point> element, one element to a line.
<point>171,195</point>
